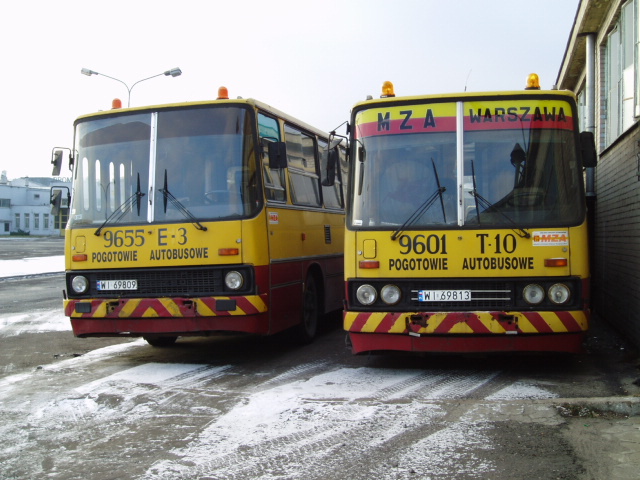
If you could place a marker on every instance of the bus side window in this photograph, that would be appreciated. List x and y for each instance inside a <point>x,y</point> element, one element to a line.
<point>331,178</point>
<point>274,179</point>
<point>302,162</point>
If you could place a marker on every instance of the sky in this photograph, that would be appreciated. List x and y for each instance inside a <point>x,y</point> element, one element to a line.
<point>311,59</point>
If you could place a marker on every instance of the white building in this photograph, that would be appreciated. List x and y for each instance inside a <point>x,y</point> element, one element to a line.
<point>25,206</point>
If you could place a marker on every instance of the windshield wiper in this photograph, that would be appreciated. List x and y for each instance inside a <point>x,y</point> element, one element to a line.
<point>440,190</point>
<point>362,152</point>
<point>167,195</point>
<point>425,205</point>
<point>419,211</point>
<point>487,204</point>
<point>123,209</point>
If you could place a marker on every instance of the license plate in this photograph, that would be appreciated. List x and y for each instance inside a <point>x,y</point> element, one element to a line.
<point>444,295</point>
<point>117,284</point>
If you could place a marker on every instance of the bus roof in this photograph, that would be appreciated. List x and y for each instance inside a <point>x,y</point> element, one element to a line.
<point>442,97</point>
<point>239,101</point>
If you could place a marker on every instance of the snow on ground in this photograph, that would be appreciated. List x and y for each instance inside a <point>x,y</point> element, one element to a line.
<point>34,321</point>
<point>311,418</point>
<point>315,418</point>
<point>305,413</point>
<point>31,266</point>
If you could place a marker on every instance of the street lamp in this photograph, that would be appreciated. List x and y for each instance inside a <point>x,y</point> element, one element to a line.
<point>174,72</point>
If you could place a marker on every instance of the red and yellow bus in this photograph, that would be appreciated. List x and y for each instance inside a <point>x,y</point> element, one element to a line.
<point>466,223</point>
<point>203,217</point>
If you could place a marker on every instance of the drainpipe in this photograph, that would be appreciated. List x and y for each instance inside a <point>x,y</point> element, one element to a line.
<point>590,92</point>
<point>590,107</point>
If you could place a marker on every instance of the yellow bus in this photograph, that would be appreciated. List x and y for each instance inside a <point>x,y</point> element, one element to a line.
<point>202,217</point>
<point>466,223</point>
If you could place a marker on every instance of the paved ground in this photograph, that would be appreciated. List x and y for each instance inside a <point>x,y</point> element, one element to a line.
<point>260,408</point>
<point>12,248</point>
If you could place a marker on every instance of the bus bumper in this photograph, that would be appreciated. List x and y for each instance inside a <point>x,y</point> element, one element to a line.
<point>471,332</point>
<point>179,316</point>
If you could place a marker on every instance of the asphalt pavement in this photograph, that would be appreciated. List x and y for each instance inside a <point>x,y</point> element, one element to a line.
<point>14,247</point>
<point>602,427</point>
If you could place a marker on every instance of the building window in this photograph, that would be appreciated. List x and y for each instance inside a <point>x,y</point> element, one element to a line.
<point>36,221</point>
<point>17,221</point>
<point>7,226</point>
<point>59,221</point>
<point>623,96</point>
<point>45,220</point>
<point>5,202</point>
<point>27,223</point>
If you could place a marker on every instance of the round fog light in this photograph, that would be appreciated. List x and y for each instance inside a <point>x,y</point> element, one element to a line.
<point>533,294</point>
<point>366,294</point>
<point>233,280</point>
<point>80,284</point>
<point>390,294</point>
<point>559,293</point>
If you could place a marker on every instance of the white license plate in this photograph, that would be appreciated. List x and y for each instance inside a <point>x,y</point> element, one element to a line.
<point>117,284</point>
<point>444,295</point>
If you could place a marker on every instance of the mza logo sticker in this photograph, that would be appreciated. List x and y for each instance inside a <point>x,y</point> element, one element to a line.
<point>551,239</point>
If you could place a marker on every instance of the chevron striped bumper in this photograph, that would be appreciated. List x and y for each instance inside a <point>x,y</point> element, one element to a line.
<point>467,331</point>
<point>140,316</point>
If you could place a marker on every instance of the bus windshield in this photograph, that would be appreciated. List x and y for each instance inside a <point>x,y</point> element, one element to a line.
<point>166,166</point>
<point>498,177</point>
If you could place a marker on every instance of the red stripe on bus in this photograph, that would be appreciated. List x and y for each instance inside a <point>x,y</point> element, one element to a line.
<point>387,322</point>
<point>245,305</point>
<point>209,302</point>
<point>153,304</point>
<point>566,124</point>
<point>569,321</point>
<point>447,324</point>
<point>359,321</point>
<point>476,324</point>
<point>448,124</point>
<point>395,127</point>
<point>538,322</point>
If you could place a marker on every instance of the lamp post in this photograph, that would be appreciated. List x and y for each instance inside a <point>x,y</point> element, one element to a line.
<point>174,72</point>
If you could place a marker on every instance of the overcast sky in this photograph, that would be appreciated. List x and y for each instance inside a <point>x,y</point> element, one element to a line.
<point>311,59</point>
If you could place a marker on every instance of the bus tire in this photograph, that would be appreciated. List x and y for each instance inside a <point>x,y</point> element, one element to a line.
<point>308,327</point>
<point>161,341</point>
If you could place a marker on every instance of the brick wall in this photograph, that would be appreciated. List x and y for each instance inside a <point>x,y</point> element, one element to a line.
<point>616,255</point>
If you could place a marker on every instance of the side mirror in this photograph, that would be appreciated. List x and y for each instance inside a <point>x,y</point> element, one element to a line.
<point>57,156</point>
<point>58,202</point>
<point>588,150</point>
<point>362,153</point>
<point>277,155</point>
<point>332,162</point>
<point>56,161</point>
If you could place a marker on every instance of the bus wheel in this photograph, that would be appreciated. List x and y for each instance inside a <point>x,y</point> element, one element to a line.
<point>308,327</point>
<point>161,341</point>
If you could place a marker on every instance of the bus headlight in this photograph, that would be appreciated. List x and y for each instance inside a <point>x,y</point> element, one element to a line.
<point>366,294</point>
<point>533,294</point>
<point>559,293</point>
<point>233,280</point>
<point>80,284</point>
<point>390,294</point>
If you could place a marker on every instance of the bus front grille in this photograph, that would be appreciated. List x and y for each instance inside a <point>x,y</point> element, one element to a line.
<point>484,295</point>
<point>162,282</point>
